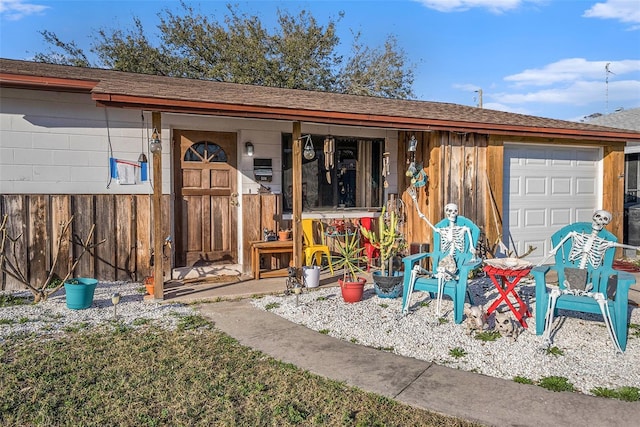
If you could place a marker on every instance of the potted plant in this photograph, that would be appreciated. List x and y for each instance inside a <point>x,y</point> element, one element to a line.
<point>349,259</point>
<point>79,292</point>
<point>390,242</point>
<point>283,235</point>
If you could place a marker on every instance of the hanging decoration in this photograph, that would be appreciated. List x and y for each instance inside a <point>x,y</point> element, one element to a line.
<point>329,150</point>
<point>385,168</point>
<point>308,152</point>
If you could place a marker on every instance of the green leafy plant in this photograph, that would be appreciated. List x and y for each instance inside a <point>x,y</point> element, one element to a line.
<point>626,393</point>
<point>457,352</point>
<point>350,257</point>
<point>522,380</point>
<point>556,383</point>
<point>272,305</point>
<point>605,392</point>
<point>487,335</point>
<point>9,300</point>
<point>324,331</point>
<point>554,351</point>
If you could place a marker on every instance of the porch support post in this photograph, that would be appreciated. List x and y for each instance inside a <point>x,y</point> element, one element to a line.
<point>297,195</point>
<point>158,270</point>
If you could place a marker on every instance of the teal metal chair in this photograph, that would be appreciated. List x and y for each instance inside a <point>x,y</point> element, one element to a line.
<point>427,280</point>
<point>612,284</point>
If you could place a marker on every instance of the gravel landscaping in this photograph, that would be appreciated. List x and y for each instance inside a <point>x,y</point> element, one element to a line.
<point>581,351</point>
<point>53,316</point>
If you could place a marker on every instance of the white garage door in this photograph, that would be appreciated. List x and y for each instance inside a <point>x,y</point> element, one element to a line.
<point>545,188</point>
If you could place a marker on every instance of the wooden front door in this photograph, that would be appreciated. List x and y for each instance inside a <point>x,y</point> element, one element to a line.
<point>206,197</point>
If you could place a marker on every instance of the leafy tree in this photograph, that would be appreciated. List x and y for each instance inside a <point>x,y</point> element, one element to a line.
<point>377,71</point>
<point>300,53</point>
<point>71,54</point>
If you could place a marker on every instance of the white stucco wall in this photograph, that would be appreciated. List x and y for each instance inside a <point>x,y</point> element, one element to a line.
<point>58,143</point>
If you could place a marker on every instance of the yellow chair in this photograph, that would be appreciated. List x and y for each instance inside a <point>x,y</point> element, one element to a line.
<point>313,249</point>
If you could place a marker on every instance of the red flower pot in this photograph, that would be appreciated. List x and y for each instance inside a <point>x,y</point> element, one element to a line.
<point>352,291</point>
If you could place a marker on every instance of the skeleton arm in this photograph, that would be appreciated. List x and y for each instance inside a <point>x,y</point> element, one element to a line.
<point>412,193</point>
<point>553,251</point>
<point>620,245</point>
<point>472,249</point>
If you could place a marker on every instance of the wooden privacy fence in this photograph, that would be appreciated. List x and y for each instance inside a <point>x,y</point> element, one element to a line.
<point>122,221</point>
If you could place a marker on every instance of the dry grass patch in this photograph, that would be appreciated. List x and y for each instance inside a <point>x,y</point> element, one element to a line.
<point>192,376</point>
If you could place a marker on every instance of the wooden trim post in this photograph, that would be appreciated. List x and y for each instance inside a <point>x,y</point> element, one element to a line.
<point>297,195</point>
<point>158,271</point>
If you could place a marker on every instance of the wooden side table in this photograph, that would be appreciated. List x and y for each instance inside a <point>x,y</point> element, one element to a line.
<point>260,247</point>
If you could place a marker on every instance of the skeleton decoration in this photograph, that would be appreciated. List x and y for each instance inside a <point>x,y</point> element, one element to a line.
<point>591,249</point>
<point>505,325</point>
<point>476,318</point>
<point>452,241</point>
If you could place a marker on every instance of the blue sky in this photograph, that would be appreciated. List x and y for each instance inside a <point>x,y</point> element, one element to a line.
<point>542,57</point>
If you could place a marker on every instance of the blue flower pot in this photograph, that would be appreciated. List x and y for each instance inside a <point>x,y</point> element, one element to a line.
<point>80,292</point>
<point>387,286</point>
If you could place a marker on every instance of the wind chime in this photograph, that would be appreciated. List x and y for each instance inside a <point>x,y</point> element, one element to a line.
<point>329,150</point>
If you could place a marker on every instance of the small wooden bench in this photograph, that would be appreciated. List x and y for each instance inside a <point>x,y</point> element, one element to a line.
<point>260,248</point>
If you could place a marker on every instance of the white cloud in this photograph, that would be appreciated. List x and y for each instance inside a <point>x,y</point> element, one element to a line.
<point>15,10</point>
<point>578,93</point>
<point>507,108</point>
<point>571,70</point>
<point>627,11</point>
<point>494,6</point>
<point>467,87</point>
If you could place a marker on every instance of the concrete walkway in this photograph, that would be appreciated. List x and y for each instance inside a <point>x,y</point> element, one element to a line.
<point>474,397</point>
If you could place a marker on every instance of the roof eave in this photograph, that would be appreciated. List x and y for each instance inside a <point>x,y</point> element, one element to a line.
<point>352,119</point>
<point>46,83</point>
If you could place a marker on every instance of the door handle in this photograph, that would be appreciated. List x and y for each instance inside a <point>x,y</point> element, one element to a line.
<point>234,200</point>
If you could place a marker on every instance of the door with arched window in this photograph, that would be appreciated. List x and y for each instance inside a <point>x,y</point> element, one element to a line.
<point>206,197</point>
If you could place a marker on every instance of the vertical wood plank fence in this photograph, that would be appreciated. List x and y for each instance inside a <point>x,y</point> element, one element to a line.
<point>122,221</point>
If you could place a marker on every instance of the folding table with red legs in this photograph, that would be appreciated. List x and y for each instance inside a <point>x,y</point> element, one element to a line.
<point>505,280</point>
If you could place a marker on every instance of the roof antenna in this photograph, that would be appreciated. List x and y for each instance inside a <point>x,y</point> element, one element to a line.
<point>479,92</point>
<point>606,82</point>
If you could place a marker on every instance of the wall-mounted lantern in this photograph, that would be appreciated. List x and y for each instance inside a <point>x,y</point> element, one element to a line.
<point>248,148</point>
<point>155,145</point>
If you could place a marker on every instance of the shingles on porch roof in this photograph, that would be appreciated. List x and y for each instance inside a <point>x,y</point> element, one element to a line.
<point>130,89</point>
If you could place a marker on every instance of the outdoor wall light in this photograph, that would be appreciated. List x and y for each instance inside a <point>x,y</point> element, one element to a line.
<point>155,145</point>
<point>248,148</point>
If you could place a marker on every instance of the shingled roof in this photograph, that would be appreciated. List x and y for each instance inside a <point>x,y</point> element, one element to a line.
<point>171,94</point>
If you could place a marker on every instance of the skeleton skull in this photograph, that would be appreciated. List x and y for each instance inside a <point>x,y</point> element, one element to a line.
<point>451,211</point>
<point>476,318</point>
<point>600,219</point>
<point>505,325</point>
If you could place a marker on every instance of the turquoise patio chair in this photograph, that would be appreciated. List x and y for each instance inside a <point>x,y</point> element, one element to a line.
<point>427,281</point>
<point>612,284</point>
